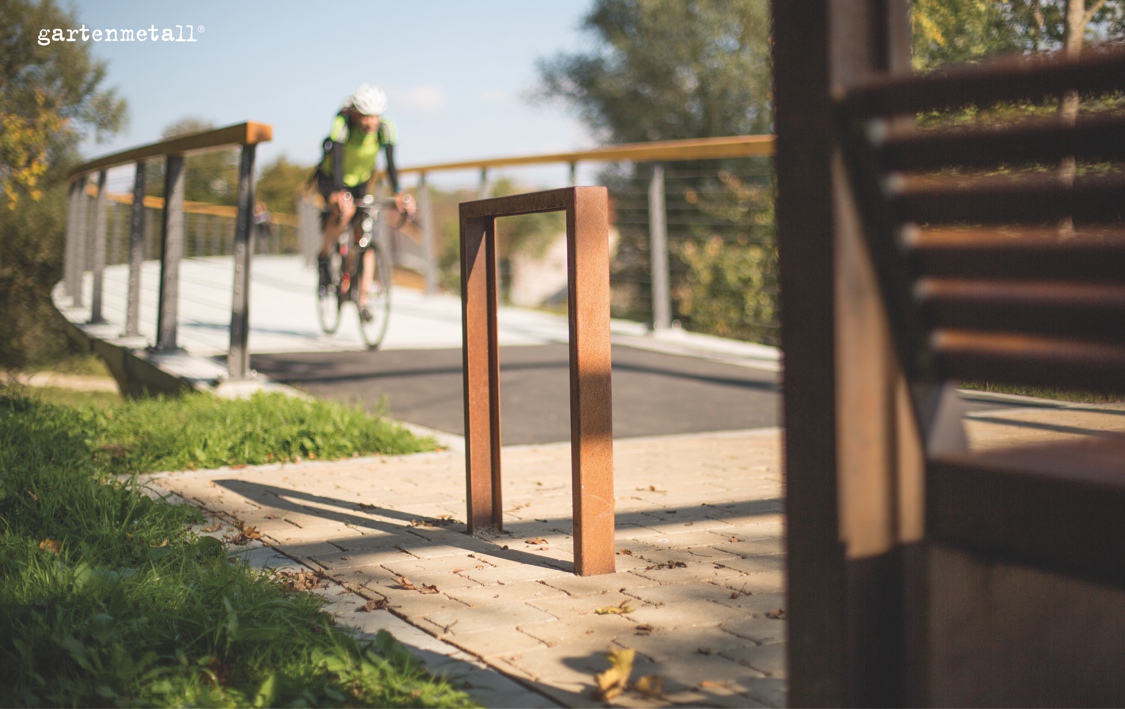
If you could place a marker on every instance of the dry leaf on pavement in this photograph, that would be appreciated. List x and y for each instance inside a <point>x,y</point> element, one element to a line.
<point>624,607</point>
<point>615,680</point>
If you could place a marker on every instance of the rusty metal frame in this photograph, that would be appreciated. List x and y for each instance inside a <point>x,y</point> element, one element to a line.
<point>591,422</point>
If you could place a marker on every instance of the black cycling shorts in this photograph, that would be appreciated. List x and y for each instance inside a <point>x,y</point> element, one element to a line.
<point>324,185</point>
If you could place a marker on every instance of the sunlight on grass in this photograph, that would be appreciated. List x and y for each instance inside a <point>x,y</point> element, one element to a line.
<point>107,598</point>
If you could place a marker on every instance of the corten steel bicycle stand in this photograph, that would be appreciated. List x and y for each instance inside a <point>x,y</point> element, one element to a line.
<point>591,424</point>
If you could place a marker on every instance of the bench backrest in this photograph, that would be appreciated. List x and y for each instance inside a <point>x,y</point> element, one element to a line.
<point>999,240</point>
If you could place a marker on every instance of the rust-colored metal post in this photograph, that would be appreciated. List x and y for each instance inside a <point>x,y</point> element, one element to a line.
<point>591,410</point>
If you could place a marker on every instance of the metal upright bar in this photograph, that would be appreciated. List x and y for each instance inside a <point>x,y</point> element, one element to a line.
<point>136,252</point>
<point>238,359</point>
<point>428,239</point>
<point>79,261</point>
<point>171,252</point>
<point>99,251</point>
<point>72,271</point>
<point>658,251</point>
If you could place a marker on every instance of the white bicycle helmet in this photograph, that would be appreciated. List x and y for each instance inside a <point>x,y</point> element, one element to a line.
<point>368,100</point>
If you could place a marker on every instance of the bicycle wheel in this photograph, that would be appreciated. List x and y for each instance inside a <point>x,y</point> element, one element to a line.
<point>374,318</point>
<point>328,303</point>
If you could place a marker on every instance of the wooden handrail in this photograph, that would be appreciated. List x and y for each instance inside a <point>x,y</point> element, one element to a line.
<point>739,146</point>
<point>249,133</point>
<point>220,210</point>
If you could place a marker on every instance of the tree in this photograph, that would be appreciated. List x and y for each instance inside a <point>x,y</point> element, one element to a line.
<point>666,69</point>
<point>280,185</point>
<point>948,31</point>
<point>670,69</point>
<point>51,98</point>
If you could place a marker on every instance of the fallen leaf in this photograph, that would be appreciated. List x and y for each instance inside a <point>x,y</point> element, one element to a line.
<point>644,629</point>
<point>50,545</point>
<point>614,681</point>
<point>625,552</point>
<point>373,605</point>
<point>778,614</point>
<point>733,540</point>
<point>365,506</point>
<point>404,583</point>
<point>710,684</point>
<point>213,527</point>
<point>667,565</point>
<point>651,686</point>
<point>428,589</point>
<point>615,610</point>
<point>537,540</point>
<point>300,580</point>
<point>249,532</point>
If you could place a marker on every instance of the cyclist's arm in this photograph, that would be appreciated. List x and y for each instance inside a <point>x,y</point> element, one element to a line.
<point>337,166</point>
<point>392,171</point>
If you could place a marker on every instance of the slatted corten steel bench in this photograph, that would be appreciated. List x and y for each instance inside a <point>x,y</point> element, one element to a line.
<point>996,267</point>
<point>591,411</point>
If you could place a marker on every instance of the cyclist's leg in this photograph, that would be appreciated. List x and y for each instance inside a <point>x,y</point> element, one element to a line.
<point>335,218</point>
<point>368,274</point>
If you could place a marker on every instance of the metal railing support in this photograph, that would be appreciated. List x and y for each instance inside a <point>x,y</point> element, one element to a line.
<point>72,271</point>
<point>136,252</point>
<point>171,252</point>
<point>591,420</point>
<point>238,359</point>
<point>426,207</point>
<point>79,245</point>
<point>98,266</point>
<point>658,251</point>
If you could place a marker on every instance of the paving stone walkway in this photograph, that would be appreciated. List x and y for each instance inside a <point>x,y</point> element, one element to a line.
<point>698,592</point>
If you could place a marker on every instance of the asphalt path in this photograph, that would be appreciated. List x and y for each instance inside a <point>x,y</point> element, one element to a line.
<point>653,393</point>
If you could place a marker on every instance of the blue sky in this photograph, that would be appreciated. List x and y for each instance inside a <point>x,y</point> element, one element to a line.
<point>456,71</point>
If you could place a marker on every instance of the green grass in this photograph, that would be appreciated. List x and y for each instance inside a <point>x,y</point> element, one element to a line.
<point>108,599</point>
<point>1068,396</point>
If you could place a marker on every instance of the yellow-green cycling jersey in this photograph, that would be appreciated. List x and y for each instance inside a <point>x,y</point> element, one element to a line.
<point>357,152</point>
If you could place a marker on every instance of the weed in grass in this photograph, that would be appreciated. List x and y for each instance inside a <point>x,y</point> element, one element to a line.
<point>106,599</point>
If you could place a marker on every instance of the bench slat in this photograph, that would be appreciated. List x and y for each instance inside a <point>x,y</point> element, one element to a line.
<point>1091,312</point>
<point>1004,358</point>
<point>1043,142</point>
<point>1027,199</point>
<point>1092,256</point>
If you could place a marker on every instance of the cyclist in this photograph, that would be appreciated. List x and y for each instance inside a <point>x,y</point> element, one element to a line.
<point>358,132</point>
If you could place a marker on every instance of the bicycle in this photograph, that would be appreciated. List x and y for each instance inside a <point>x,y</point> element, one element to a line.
<point>345,266</point>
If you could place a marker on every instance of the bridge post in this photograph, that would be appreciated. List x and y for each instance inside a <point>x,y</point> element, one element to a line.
<point>99,251</point>
<point>658,251</point>
<point>171,252</point>
<point>238,358</point>
<point>71,272</point>
<point>77,241</point>
<point>426,206</point>
<point>136,252</point>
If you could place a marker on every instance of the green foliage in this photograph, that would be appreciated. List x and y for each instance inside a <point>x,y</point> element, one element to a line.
<point>951,31</point>
<point>50,99</point>
<point>667,69</point>
<point>108,599</point>
<point>31,245</point>
<point>729,287</point>
<point>280,185</point>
